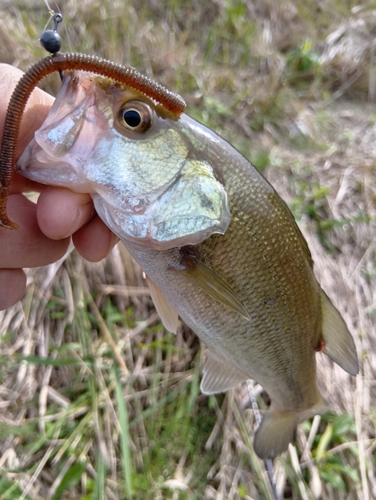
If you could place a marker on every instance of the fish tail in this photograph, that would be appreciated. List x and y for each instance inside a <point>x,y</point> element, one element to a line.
<point>278,429</point>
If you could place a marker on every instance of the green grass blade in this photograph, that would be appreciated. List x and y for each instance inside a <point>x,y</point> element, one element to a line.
<point>124,429</point>
<point>71,478</point>
<point>100,478</point>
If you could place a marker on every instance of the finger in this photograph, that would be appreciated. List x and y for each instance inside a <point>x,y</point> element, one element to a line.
<point>27,246</point>
<point>61,212</point>
<point>94,241</point>
<point>12,287</point>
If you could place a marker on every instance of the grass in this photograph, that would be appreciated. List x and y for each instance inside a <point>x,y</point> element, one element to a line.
<point>97,400</point>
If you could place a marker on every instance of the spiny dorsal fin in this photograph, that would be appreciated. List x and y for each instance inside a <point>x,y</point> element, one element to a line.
<point>167,313</point>
<point>219,376</point>
<point>339,344</point>
<point>205,278</point>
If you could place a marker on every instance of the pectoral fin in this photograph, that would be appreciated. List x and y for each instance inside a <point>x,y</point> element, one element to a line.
<point>339,344</point>
<point>205,278</point>
<point>219,376</point>
<point>167,313</point>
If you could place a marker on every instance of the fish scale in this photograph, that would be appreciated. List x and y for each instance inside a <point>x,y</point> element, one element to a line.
<point>218,245</point>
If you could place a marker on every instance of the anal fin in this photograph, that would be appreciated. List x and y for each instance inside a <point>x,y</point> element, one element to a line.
<point>166,311</point>
<point>339,344</point>
<point>219,376</point>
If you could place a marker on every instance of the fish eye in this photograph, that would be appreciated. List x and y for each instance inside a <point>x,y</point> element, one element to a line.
<point>135,116</point>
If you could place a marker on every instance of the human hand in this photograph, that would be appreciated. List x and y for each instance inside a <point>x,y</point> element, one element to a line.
<point>45,228</point>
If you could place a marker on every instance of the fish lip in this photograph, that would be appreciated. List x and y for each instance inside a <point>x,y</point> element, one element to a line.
<point>61,171</point>
<point>36,171</point>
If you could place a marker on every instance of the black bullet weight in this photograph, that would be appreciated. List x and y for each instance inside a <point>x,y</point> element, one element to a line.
<point>50,39</point>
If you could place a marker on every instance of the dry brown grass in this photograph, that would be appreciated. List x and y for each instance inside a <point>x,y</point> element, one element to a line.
<point>235,64</point>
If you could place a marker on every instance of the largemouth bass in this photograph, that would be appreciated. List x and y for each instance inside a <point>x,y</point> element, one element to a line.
<point>219,246</point>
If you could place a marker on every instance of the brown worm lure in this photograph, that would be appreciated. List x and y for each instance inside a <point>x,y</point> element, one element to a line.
<point>59,61</point>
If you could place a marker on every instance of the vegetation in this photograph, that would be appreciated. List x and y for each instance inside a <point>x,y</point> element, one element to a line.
<point>97,400</point>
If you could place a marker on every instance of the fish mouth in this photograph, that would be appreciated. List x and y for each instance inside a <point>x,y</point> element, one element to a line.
<point>46,170</point>
<point>61,146</point>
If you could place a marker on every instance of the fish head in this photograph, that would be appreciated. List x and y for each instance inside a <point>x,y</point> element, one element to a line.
<point>144,167</point>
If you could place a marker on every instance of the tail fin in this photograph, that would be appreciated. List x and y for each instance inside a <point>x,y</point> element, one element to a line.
<point>278,429</point>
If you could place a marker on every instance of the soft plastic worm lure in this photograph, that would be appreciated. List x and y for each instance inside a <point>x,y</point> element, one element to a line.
<point>59,61</point>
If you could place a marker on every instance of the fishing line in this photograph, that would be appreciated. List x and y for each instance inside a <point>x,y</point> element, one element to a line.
<point>50,10</point>
<point>258,418</point>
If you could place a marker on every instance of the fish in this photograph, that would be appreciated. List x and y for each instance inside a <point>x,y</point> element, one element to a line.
<point>219,247</point>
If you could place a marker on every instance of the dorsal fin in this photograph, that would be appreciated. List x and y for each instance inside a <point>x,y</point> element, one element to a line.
<point>166,311</point>
<point>339,344</point>
<point>219,376</point>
